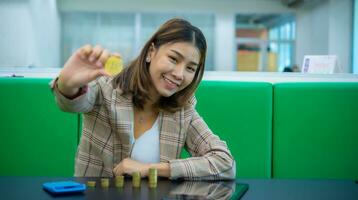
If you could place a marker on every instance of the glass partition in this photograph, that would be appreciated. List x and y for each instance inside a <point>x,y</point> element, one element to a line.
<point>125,33</point>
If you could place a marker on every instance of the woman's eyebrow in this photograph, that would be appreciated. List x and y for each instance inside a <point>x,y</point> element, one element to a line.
<point>181,56</point>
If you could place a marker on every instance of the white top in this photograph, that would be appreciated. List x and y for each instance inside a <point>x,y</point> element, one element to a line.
<point>145,149</point>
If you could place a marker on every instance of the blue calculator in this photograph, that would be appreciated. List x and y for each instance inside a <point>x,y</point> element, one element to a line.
<point>63,187</point>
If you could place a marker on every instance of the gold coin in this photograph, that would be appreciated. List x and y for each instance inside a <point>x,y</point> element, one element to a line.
<point>153,172</point>
<point>105,182</point>
<point>136,174</point>
<point>136,184</point>
<point>119,184</point>
<point>136,178</point>
<point>91,183</point>
<point>152,185</point>
<point>119,178</point>
<point>152,182</point>
<point>114,65</point>
<point>119,181</point>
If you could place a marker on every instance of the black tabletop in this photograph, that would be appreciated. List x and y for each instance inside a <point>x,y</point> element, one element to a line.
<point>31,188</point>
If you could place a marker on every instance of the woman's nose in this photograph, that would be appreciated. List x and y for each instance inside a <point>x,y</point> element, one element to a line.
<point>178,72</point>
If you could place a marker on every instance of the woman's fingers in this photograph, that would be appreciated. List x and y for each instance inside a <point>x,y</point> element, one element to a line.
<point>117,54</point>
<point>97,73</point>
<point>85,51</point>
<point>102,58</point>
<point>97,55</point>
<point>118,170</point>
<point>97,50</point>
<point>102,72</point>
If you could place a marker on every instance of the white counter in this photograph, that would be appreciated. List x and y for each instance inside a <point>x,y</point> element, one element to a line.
<point>272,77</point>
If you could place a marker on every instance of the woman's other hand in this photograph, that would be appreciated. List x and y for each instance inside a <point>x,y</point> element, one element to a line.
<point>128,166</point>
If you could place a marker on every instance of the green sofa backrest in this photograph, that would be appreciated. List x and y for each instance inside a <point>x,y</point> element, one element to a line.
<point>37,139</point>
<point>283,130</point>
<point>240,113</point>
<point>315,130</point>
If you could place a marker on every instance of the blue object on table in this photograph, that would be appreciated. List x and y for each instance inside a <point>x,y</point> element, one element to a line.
<point>62,187</point>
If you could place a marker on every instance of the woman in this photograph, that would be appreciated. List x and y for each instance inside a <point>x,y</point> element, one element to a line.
<point>145,115</point>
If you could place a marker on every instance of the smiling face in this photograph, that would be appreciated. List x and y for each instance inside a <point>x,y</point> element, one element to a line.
<point>172,67</point>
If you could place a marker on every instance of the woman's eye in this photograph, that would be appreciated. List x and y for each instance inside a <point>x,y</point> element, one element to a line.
<point>172,59</point>
<point>191,69</point>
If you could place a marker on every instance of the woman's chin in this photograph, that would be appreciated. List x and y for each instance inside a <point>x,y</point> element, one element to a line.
<point>166,93</point>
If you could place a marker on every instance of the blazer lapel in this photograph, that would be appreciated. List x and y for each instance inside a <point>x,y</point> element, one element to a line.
<point>172,135</point>
<point>122,121</point>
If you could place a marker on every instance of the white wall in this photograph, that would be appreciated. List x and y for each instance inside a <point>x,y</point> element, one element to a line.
<point>29,34</point>
<point>326,29</point>
<point>340,32</point>
<point>355,38</point>
<point>45,50</point>
<point>225,48</point>
<point>312,32</point>
<point>15,31</point>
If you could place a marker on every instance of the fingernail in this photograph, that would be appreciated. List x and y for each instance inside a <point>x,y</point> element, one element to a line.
<point>99,64</point>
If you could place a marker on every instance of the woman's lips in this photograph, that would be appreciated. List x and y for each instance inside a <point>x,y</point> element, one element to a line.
<point>170,84</point>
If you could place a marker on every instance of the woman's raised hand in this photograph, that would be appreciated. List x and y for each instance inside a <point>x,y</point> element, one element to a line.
<point>84,66</point>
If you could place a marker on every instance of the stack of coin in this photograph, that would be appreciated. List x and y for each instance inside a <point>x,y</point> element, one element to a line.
<point>104,182</point>
<point>119,181</point>
<point>153,174</point>
<point>91,183</point>
<point>136,179</point>
<point>113,65</point>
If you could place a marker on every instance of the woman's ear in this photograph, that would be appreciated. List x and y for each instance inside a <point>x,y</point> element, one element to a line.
<point>151,53</point>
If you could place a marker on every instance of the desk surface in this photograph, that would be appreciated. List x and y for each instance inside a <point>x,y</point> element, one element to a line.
<point>31,188</point>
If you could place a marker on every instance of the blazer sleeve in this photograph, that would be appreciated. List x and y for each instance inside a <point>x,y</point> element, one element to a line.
<point>81,104</point>
<point>211,158</point>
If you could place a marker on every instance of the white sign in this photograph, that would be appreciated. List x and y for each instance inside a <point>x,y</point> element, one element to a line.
<point>319,64</point>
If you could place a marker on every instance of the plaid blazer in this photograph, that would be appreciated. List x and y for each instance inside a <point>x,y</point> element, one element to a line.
<point>107,136</point>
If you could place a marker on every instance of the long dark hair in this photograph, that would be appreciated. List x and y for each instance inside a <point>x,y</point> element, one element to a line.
<point>136,80</point>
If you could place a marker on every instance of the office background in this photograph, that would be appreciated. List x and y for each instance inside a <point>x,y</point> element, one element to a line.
<point>243,35</point>
<point>282,125</point>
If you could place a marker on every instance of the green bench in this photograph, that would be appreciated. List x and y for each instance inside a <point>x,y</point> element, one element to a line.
<point>240,113</point>
<point>315,130</point>
<point>284,130</point>
<point>37,139</point>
